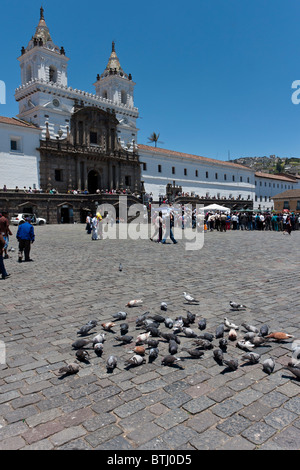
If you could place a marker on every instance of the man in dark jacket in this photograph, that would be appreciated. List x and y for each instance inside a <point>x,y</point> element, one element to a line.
<point>26,237</point>
<point>3,272</point>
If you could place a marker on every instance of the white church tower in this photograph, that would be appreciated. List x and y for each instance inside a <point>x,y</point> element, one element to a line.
<point>117,87</point>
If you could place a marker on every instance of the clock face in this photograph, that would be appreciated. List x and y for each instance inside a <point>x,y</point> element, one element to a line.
<point>55,103</point>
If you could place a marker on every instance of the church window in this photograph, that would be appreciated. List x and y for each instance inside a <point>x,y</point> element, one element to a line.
<point>196,173</point>
<point>216,176</point>
<point>127,180</point>
<point>123,97</point>
<point>206,174</point>
<point>173,170</point>
<point>52,74</point>
<point>225,177</point>
<point>28,73</point>
<point>185,172</point>
<point>93,138</point>
<point>104,94</point>
<point>144,166</point>
<point>15,144</point>
<point>58,175</point>
<point>159,168</point>
<point>241,179</point>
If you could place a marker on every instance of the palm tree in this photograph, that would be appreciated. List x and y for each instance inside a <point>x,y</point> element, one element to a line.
<point>154,138</point>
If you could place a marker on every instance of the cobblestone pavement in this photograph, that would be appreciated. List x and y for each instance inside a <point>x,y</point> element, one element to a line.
<point>198,405</point>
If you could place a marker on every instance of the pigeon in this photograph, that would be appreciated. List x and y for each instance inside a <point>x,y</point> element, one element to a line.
<point>169,322</point>
<point>294,370</point>
<point>252,357</point>
<point>244,345</point>
<point>134,303</point>
<point>157,318</point>
<point>195,353</point>
<point>232,364</point>
<point>142,338</point>
<point>146,323</point>
<point>139,350</point>
<point>249,335</point>
<point>230,325</point>
<point>69,369</point>
<point>232,335</point>
<point>125,339</point>
<point>208,336</point>
<point>120,316</point>
<point>120,267</point>
<point>189,333</point>
<point>111,363</point>
<point>219,331</point>
<point>92,322</point>
<point>153,343</point>
<point>100,338</point>
<point>191,317</point>
<point>98,348</point>
<point>170,360</point>
<point>164,306</point>
<point>295,344</point>
<point>82,355</point>
<point>135,360</point>
<point>178,324</point>
<point>141,318</point>
<point>295,356</point>
<point>153,330</point>
<point>108,325</point>
<point>236,306</point>
<point>258,340</point>
<point>264,330</point>
<point>84,330</point>
<point>153,353</point>
<point>80,343</point>
<point>251,328</point>
<point>203,343</point>
<point>169,336</point>
<point>189,298</point>
<point>173,347</point>
<point>279,336</point>
<point>223,344</point>
<point>202,324</point>
<point>268,365</point>
<point>124,327</point>
<point>218,356</point>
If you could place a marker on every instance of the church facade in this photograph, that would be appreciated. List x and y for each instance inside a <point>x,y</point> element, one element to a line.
<point>69,139</point>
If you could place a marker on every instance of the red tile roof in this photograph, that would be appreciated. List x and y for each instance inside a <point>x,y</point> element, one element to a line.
<point>291,179</point>
<point>17,122</point>
<point>187,155</point>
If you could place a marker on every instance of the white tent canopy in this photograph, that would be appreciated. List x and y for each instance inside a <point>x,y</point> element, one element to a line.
<point>216,207</point>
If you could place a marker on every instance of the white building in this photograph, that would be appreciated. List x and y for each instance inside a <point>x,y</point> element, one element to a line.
<point>268,185</point>
<point>19,157</point>
<point>195,174</point>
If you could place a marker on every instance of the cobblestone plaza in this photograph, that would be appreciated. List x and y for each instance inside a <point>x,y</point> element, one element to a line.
<point>195,405</point>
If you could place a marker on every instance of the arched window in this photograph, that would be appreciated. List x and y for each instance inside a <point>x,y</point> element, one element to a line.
<point>104,94</point>
<point>28,73</point>
<point>123,97</point>
<point>52,74</point>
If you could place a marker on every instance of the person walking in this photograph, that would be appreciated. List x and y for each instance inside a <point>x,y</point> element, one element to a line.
<point>169,226</point>
<point>25,236</point>
<point>5,231</point>
<point>3,271</point>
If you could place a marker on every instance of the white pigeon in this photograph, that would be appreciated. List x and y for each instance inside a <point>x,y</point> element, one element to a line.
<point>100,338</point>
<point>189,298</point>
<point>134,303</point>
<point>236,306</point>
<point>230,325</point>
<point>142,338</point>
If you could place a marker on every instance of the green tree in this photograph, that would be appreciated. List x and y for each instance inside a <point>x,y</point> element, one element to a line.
<point>154,138</point>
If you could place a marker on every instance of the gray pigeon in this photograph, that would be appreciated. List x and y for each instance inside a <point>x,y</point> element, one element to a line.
<point>120,316</point>
<point>195,353</point>
<point>80,343</point>
<point>295,370</point>
<point>69,369</point>
<point>85,329</point>
<point>268,365</point>
<point>124,327</point>
<point>191,317</point>
<point>153,353</point>
<point>100,338</point>
<point>249,335</point>
<point>219,331</point>
<point>98,348</point>
<point>202,324</point>
<point>169,322</point>
<point>251,328</point>
<point>82,355</point>
<point>153,343</point>
<point>252,357</point>
<point>264,330</point>
<point>135,360</point>
<point>232,364</point>
<point>236,306</point>
<point>158,318</point>
<point>218,356</point>
<point>206,335</point>
<point>203,343</point>
<point>173,347</point>
<point>125,339</point>
<point>164,306</point>
<point>111,363</point>
<point>170,360</point>
<point>189,333</point>
<point>258,340</point>
<point>223,344</point>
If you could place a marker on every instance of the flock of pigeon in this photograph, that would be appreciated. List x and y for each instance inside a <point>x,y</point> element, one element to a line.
<point>149,341</point>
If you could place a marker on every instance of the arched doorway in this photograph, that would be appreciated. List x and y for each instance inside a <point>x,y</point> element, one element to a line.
<point>94,181</point>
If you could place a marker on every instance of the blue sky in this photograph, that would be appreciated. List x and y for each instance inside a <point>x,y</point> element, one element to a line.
<point>213,77</point>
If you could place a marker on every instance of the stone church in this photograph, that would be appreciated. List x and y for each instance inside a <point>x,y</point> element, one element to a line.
<point>88,141</point>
